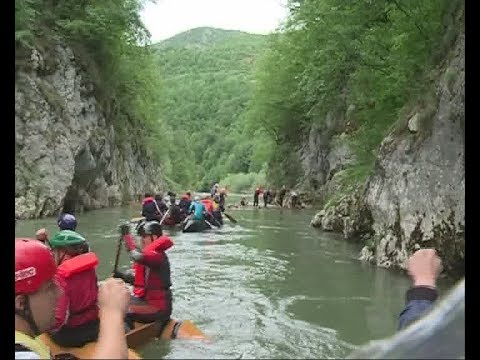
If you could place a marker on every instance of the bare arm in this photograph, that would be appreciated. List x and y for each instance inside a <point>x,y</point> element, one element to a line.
<point>113,301</point>
<point>111,343</point>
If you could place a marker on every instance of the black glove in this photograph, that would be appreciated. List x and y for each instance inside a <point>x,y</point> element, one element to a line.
<point>117,274</point>
<point>124,229</point>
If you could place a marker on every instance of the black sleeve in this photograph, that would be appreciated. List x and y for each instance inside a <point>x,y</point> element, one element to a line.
<point>128,278</point>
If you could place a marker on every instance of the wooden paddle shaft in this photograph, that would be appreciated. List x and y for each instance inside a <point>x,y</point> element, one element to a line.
<point>119,249</point>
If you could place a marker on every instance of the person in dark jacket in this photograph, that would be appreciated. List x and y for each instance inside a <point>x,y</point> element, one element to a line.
<point>256,195</point>
<point>152,296</point>
<point>426,330</point>
<point>184,204</point>
<point>266,197</point>
<point>175,214</point>
<point>161,205</point>
<point>281,195</point>
<point>424,267</point>
<point>150,209</point>
<point>221,199</point>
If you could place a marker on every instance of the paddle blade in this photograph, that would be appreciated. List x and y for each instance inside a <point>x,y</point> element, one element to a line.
<point>230,217</point>
<point>188,330</point>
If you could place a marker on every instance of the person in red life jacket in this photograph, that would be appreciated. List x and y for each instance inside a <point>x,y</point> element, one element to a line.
<point>152,297</point>
<point>210,209</point>
<point>76,314</point>
<point>150,209</point>
<point>37,290</point>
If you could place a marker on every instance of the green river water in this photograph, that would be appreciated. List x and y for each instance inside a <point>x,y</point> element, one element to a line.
<point>269,287</point>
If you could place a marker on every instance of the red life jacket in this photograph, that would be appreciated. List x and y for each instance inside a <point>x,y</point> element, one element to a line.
<point>147,200</point>
<point>152,283</point>
<point>208,205</point>
<point>81,287</point>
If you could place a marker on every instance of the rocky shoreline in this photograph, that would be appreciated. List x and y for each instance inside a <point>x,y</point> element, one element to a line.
<point>415,197</point>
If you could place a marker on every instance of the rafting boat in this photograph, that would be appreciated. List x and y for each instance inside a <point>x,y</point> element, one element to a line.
<point>140,335</point>
<point>196,226</point>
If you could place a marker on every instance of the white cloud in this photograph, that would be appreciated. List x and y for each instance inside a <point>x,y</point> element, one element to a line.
<point>169,17</point>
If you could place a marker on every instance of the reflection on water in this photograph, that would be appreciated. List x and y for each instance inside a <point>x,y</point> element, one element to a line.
<point>270,287</point>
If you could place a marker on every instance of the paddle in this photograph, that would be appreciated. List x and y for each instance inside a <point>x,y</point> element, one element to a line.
<point>117,258</point>
<point>211,225</point>
<point>230,217</point>
<point>164,216</point>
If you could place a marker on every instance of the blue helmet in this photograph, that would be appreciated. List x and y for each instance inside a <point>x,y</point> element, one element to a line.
<point>67,222</point>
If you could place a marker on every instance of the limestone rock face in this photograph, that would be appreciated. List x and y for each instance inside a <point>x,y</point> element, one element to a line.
<point>66,152</point>
<point>416,195</point>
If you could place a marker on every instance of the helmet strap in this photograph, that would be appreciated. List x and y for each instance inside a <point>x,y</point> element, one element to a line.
<point>26,314</point>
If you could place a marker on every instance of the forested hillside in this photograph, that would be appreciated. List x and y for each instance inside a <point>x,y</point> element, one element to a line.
<point>207,80</point>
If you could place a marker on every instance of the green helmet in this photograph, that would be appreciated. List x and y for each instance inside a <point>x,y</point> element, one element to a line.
<point>66,238</point>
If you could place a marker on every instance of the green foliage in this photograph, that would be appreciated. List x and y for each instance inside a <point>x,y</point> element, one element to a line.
<point>208,80</point>
<point>241,182</point>
<point>333,53</point>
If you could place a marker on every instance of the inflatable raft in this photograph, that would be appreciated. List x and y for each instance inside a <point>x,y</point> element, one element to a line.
<point>196,226</point>
<point>136,338</point>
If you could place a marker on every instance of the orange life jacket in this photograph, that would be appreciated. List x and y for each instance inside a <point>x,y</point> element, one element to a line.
<point>77,264</point>
<point>208,205</point>
<point>82,289</point>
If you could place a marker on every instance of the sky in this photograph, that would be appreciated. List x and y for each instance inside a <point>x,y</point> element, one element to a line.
<point>170,17</point>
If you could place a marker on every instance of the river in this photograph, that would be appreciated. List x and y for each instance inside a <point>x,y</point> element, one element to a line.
<point>269,287</point>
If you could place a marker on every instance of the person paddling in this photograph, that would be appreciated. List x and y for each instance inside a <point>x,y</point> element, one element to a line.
<point>152,297</point>
<point>175,214</point>
<point>209,208</point>
<point>37,289</point>
<point>198,209</point>
<point>150,209</point>
<point>65,221</point>
<point>184,204</point>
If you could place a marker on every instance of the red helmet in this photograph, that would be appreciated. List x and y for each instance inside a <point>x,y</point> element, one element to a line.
<point>34,265</point>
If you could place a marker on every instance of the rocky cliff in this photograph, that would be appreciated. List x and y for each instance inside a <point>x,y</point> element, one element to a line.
<point>415,197</point>
<point>66,150</point>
